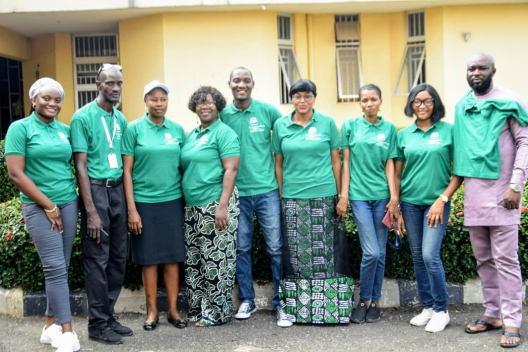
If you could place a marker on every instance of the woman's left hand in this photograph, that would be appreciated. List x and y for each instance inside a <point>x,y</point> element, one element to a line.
<point>436,213</point>
<point>393,209</point>
<point>221,217</point>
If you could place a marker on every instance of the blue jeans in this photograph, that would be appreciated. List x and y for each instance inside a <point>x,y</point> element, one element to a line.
<point>267,208</point>
<point>373,237</point>
<point>425,243</point>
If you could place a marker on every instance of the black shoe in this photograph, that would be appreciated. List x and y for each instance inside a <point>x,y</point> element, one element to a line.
<point>106,336</point>
<point>177,322</point>
<point>359,314</point>
<point>118,328</point>
<point>150,325</point>
<point>373,313</point>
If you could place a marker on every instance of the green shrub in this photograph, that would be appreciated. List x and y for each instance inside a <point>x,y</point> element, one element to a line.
<point>7,189</point>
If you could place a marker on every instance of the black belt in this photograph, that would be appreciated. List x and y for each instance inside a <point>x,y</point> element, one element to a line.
<point>108,183</point>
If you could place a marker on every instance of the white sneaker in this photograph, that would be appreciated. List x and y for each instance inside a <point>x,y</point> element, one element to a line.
<point>69,342</point>
<point>282,319</point>
<point>438,322</point>
<point>245,310</point>
<point>423,318</point>
<point>51,334</point>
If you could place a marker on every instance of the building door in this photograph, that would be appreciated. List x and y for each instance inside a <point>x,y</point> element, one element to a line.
<point>11,93</point>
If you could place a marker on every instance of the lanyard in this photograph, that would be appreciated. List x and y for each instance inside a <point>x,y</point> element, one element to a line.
<point>110,141</point>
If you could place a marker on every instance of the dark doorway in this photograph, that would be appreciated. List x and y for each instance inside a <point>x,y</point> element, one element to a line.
<point>11,93</point>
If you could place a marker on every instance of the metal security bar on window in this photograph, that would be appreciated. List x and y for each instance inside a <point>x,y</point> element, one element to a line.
<point>289,72</point>
<point>414,66</point>
<point>89,52</point>
<point>348,73</point>
<point>284,29</point>
<point>415,26</point>
<point>347,28</point>
<point>95,46</point>
<point>85,97</point>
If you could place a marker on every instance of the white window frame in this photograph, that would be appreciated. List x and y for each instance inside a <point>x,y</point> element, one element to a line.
<point>90,60</point>
<point>412,42</point>
<point>417,73</point>
<point>345,46</point>
<point>284,79</point>
<point>416,38</point>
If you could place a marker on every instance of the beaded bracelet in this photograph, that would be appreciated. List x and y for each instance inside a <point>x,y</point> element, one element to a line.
<point>51,210</point>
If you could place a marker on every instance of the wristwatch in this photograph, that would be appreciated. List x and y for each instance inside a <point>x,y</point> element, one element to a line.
<point>516,187</point>
<point>444,198</point>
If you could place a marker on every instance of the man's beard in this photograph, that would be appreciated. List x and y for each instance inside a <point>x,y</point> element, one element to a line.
<point>484,86</point>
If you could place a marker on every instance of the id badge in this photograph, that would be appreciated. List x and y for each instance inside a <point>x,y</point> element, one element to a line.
<point>112,161</point>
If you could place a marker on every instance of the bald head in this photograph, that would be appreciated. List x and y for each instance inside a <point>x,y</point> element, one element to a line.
<point>480,72</point>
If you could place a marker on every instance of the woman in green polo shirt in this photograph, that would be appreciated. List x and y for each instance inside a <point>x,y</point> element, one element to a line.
<point>316,286</point>
<point>210,159</point>
<point>38,154</point>
<point>369,145</point>
<point>152,182</point>
<point>425,152</point>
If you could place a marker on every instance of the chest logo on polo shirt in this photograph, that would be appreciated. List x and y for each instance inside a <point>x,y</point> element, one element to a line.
<point>203,140</point>
<point>254,126</point>
<point>435,139</point>
<point>313,135</point>
<point>64,138</point>
<point>169,139</point>
<point>380,141</point>
<point>118,132</point>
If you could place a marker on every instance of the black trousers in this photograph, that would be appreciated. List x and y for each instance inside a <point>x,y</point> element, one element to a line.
<point>104,262</point>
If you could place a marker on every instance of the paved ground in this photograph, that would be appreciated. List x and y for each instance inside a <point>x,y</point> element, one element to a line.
<point>260,333</point>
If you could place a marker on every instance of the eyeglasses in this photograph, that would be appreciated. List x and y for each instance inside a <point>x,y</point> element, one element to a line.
<point>307,98</point>
<point>206,103</point>
<point>426,102</point>
<point>107,67</point>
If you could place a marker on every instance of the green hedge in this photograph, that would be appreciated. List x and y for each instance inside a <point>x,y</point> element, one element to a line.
<point>20,265</point>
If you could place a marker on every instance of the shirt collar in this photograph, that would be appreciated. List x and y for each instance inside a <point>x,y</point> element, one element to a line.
<point>210,128</point>
<point>249,108</point>
<point>289,121</point>
<point>103,112</point>
<point>151,124</point>
<point>415,127</point>
<point>370,124</point>
<point>40,124</point>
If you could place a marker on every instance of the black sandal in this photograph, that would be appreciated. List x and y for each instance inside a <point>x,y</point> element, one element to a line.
<point>511,334</point>
<point>177,323</point>
<point>150,325</point>
<point>489,327</point>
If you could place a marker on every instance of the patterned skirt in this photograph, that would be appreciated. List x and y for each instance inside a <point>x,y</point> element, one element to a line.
<point>316,285</point>
<point>211,263</point>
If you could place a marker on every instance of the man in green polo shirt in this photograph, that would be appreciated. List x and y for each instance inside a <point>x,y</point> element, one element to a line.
<point>253,121</point>
<point>96,131</point>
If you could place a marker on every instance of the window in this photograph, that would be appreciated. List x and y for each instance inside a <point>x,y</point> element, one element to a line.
<point>348,58</point>
<point>289,71</point>
<point>89,53</point>
<point>413,63</point>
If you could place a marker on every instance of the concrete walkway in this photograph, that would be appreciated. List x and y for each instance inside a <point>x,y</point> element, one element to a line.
<point>260,333</point>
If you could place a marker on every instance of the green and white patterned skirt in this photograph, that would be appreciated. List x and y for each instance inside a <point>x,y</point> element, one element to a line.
<point>316,285</point>
<point>211,263</point>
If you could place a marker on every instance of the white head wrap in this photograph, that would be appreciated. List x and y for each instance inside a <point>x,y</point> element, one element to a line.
<point>45,83</point>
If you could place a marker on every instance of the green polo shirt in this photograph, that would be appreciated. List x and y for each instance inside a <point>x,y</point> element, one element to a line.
<point>427,156</point>
<point>253,125</point>
<point>307,168</point>
<point>156,151</point>
<point>201,160</point>
<point>88,136</point>
<point>371,145</point>
<point>47,150</point>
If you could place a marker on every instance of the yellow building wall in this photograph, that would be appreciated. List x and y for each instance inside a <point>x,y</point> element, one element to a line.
<point>14,45</point>
<point>203,48</point>
<point>64,74</point>
<point>435,69</point>
<point>500,30</point>
<point>141,54</point>
<point>42,54</point>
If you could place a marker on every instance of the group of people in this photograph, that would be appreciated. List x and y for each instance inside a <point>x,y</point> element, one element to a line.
<point>193,199</point>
